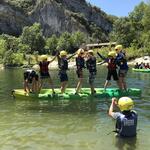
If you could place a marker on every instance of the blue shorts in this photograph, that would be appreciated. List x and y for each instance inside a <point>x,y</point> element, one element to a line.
<point>63,76</point>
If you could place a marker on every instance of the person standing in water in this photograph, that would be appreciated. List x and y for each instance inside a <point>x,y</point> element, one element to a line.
<point>126,120</point>
<point>80,64</point>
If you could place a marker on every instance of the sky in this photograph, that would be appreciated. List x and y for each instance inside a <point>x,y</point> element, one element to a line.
<point>120,8</point>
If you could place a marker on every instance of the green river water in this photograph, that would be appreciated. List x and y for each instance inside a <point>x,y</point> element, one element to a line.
<point>78,125</point>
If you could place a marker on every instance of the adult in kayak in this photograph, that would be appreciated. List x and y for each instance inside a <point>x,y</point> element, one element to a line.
<point>126,120</point>
<point>123,66</point>
<point>80,64</point>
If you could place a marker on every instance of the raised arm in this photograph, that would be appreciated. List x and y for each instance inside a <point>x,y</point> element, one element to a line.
<point>111,108</point>
<point>53,59</point>
<point>71,56</point>
<point>102,62</point>
<point>102,57</point>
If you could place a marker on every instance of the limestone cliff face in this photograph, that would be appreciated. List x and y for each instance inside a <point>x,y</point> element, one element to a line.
<point>55,16</point>
<point>12,21</point>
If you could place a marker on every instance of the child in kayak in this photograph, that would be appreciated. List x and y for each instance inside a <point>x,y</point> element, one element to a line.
<point>112,66</point>
<point>44,72</point>
<point>123,66</point>
<point>91,66</point>
<point>31,77</point>
<point>126,120</point>
<point>80,63</point>
<point>63,67</point>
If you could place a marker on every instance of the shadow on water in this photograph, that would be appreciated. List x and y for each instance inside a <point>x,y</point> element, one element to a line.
<point>126,143</point>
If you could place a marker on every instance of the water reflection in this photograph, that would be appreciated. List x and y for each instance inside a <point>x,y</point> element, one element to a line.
<point>89,106</point>
<point>62,124</point>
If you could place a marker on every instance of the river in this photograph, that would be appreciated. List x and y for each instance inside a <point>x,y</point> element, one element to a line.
<point>79,125</point>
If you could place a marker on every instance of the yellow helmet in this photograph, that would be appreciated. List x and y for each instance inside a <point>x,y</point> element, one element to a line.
<point>90,51</point>
<point>43,57</point>
<point>80,51</point>
<point>118,47</point>
<point>63,53</point>
<point>112,53</point>
<point>125,103</point>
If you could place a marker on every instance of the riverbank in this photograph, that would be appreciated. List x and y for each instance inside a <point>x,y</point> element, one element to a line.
<point>72,63</point>
<point>144,59</point>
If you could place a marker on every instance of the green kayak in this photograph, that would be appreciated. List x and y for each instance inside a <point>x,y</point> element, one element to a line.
<point>46,94</point>
<point>141,70</point>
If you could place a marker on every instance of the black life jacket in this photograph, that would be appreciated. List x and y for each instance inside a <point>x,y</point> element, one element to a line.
<point>126,124</point>
<point>122,61</point>
<point>63,64</point>
<point>29,74</point>
<point>80,63</point>
<point>44,66</point>
<point>91,64</point>
<point>111,64</point>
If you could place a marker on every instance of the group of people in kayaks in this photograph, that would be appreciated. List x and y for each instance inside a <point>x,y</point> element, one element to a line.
<point>142,65</point>
<point>84,59</point>
<point>126,120</point>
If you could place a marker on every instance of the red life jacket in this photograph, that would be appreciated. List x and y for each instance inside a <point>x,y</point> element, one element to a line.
<point>44,66</point>
<point>111,64</point>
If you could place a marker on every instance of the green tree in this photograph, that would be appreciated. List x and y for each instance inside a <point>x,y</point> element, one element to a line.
<point>51,43</point>
<point>65,42</point>
<point>77,39</point>
<point>122,32</point>
<point>146,33</point>
<point>33,37</point>
<point>8,58</point>
<point>12,59</point>
<point>3,47</point>
<point>11,42</point>
<point>136,17</point>
<point>128,30</point>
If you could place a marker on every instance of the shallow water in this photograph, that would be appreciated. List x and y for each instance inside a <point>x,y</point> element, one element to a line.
<point>77,125</point>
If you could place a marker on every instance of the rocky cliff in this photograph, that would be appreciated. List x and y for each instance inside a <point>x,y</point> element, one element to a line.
<point>55,16</point>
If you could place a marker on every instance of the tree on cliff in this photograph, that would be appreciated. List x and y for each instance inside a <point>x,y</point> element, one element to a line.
<point>33,37</point>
